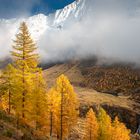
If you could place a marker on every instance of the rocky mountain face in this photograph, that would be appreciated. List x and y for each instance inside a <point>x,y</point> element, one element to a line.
<point>72,12</point>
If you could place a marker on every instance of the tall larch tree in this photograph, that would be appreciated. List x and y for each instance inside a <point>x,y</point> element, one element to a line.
<point>105,125</point>
<point>53,103</point>
<point>119,131</point>
<point>25,61</point>
<point>91,131</point>
<point>68,107</point>
<point>38,101</point>
<point>7,86</point>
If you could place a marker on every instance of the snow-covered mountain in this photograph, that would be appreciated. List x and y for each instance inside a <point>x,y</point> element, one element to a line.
<point>38,24</point>
<point>74,11</point>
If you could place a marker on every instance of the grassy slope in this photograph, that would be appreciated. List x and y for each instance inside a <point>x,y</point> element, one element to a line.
<point>86,95</point>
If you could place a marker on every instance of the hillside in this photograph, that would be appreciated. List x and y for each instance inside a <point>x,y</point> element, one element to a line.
<point>123,105</point>
<point>9,130</point>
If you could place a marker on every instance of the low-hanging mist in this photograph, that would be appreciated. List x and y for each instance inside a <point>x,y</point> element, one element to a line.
<point>109,29</point>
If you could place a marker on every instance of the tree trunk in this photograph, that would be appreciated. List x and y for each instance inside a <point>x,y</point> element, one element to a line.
<point>9,93</point>
<point>9,110</point>
<point>90,135</point>
<point>23,82</point>
<point>51,125</point>
<point>61,118</point>
<point>23,104</point>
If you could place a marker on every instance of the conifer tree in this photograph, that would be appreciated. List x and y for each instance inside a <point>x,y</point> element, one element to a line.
<point>53,103</point>
<point>91,126</point>
<point>25,62</point>
<point>119,131</point>
<point>105,126</point>
<point>7,86</point>
<point>38,101</point>
<point>67,109</point>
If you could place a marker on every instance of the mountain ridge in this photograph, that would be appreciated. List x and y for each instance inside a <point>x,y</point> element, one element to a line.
<point>39,23</point>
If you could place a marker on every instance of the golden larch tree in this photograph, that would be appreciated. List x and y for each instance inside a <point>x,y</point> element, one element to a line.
<point>68,107</point>
<point>53,104</point>
<point>91,126</point>
<point>7,87</point>
<point>119,131</point>
<point>105,125</point>
<point>38,101</point>
<point>25,61</point>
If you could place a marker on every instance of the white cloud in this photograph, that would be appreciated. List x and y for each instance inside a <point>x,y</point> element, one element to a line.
<point>111,29</point>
